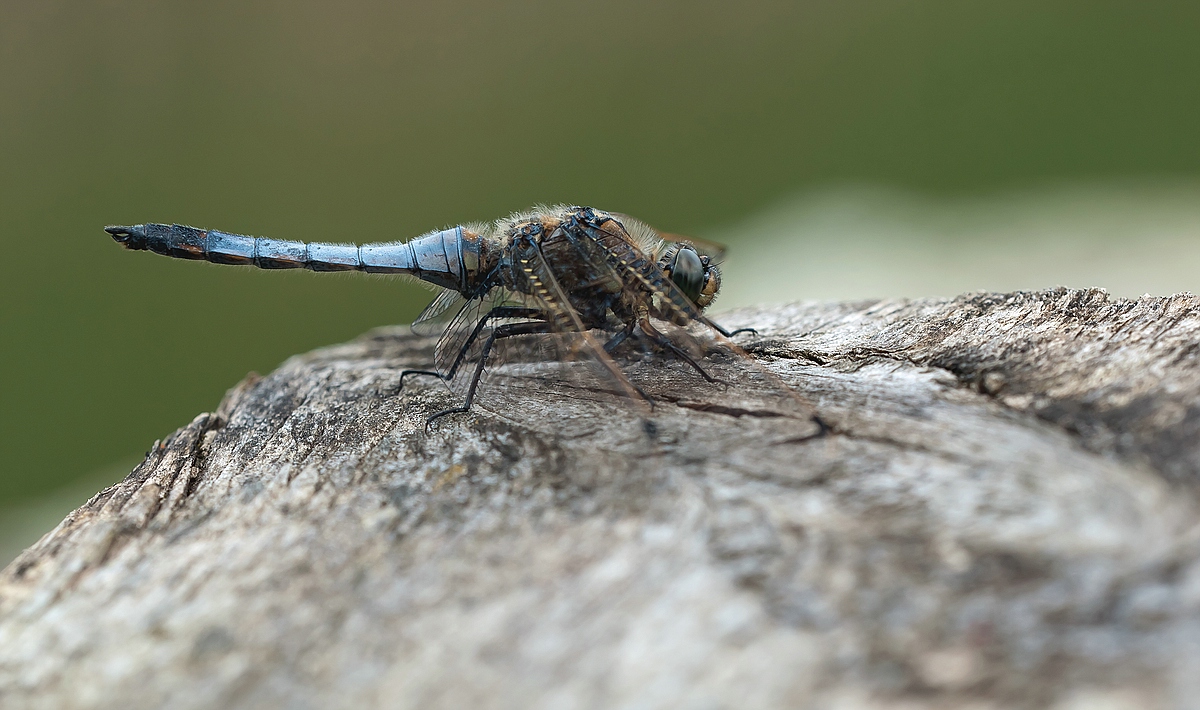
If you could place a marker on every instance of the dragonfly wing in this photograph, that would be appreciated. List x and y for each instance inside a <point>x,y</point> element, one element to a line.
<point>681,321</point>
<point>703,246</point>
<point>571,341</point>
<point>606,250</point>
<point>709,248</point>
<point>463,337</point>
<point>438,314</point>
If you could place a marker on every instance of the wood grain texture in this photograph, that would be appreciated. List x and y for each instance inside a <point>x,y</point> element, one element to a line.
<point>986,502</point>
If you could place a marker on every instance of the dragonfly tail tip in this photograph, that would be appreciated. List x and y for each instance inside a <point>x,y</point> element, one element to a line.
<point>124,234</point>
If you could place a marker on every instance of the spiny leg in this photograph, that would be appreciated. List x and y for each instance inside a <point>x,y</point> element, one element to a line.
<point>498,312</point>
<point>682,354</point>
<point>505,331</point>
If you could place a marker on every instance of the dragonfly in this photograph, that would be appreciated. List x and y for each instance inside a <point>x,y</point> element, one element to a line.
<point>577,282</point>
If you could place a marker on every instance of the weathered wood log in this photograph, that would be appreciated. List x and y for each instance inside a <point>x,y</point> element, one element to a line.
<point>991,501</point>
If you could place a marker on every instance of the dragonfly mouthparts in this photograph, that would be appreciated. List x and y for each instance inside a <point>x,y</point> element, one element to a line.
<point>124,234</point>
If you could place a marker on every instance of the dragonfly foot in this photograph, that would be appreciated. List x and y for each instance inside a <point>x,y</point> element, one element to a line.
<point>444,412</point>
<point>430,373</point>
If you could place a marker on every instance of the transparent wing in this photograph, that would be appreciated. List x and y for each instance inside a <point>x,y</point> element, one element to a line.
<point>562,362</point>
<point>570,340</point>
<point>704,246</point>
<point>608,256</point>
<point>463,337</point>
<point>678,319</point>
<point>438,314</point>
<point>554,361</point>
<point>713,249</point>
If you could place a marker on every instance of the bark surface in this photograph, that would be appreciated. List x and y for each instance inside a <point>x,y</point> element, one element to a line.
<point>985,502</point>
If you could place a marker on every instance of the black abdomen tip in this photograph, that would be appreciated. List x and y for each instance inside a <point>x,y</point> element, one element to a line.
<point>132,237</point>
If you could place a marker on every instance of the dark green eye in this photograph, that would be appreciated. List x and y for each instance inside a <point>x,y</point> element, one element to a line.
<point>687,271</point>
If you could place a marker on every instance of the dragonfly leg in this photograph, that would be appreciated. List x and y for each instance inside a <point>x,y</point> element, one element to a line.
<point>620,337</point>
<point>507,330</point>
<point>726,333</point>
<point>682,354</point>
<point>498,312</point>
<point>612,344</point>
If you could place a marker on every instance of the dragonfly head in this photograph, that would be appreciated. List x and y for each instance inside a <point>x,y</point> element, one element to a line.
<point>693,273</point>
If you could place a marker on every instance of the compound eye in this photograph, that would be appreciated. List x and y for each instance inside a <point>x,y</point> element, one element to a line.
<point>687,271</point>
<point>712,284</point>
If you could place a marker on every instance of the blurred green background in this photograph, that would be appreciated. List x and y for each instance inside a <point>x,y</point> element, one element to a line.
<point>842,148</point>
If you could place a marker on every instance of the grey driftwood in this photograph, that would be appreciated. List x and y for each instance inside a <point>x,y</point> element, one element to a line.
<point>992,503</point>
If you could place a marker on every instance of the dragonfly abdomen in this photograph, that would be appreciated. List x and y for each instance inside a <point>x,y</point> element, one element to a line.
<point>447,258</point>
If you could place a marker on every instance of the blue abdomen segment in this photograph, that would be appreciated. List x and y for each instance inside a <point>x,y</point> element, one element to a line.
<point>447,258</point>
